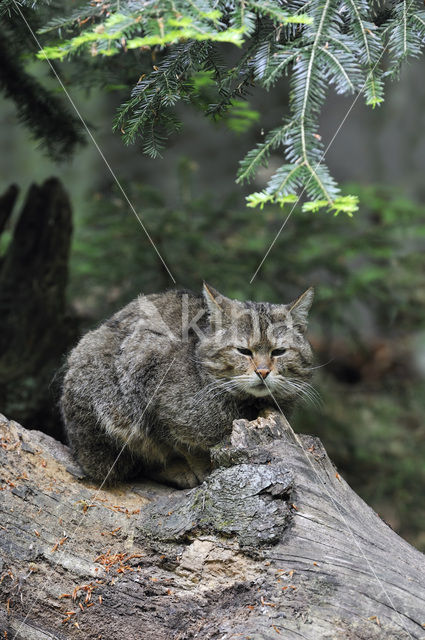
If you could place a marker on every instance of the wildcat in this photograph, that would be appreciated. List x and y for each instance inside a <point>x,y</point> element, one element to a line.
<point>162,380</point>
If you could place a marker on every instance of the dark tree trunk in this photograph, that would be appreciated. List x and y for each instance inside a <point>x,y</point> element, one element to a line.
<point>7,202</point>
<point>273,545</point>
<point>35,327</point>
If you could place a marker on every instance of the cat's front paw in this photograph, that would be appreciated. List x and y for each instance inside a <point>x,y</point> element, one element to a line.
<point>181,475</point>
<point>185,479</point>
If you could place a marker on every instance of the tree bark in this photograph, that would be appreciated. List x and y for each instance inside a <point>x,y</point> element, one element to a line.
<point>273,545</point>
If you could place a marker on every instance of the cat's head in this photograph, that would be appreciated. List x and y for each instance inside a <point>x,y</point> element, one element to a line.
<point>256,348</point>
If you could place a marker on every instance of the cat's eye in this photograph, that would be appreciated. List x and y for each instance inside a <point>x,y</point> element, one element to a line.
<point>244,352</point>
<point>278,352</point>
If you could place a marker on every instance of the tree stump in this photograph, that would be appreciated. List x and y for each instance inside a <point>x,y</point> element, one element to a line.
<point>273,545</point>
<point>36,329</point>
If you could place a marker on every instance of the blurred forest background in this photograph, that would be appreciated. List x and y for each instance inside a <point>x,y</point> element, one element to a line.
<point>367,323</point>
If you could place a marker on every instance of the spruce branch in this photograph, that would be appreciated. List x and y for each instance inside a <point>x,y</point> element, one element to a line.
<point>259,156</point>
<point>178,46</point>
<point>44,114</point>
<point>405,33</point>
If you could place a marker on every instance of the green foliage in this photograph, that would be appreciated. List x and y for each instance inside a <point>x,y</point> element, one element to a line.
<point>370,47</point>
<point>160,28</point>
<point>45,115</point>
<point>361,261</point>
<point>406,34</point>
<point>240,117</point>
<point>321,43</point>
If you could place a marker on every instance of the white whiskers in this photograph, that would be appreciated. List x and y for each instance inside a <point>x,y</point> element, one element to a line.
<point>214,389</point>
<point>302,389</point>
<point>245,384</point>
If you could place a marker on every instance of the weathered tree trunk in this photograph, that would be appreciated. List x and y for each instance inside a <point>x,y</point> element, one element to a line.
<point>273,545</point>
<point>35,326</point>
<point>7,202</point>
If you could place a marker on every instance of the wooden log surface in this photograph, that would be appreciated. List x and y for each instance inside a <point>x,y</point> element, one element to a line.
<point>273,545</point>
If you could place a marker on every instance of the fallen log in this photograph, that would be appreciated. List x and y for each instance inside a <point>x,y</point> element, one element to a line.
<point>273,545</point>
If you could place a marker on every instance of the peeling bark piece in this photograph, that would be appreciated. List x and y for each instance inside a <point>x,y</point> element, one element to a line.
<point>237,501</point>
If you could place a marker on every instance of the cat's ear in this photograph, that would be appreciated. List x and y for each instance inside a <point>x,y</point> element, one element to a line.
<point>300,307</point>
<point>217,303</point>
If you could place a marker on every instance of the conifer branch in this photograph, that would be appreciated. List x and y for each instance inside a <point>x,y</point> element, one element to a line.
<point>319,43</point>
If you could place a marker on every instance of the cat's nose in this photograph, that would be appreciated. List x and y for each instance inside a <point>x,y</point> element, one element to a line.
<point>263,373</point>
